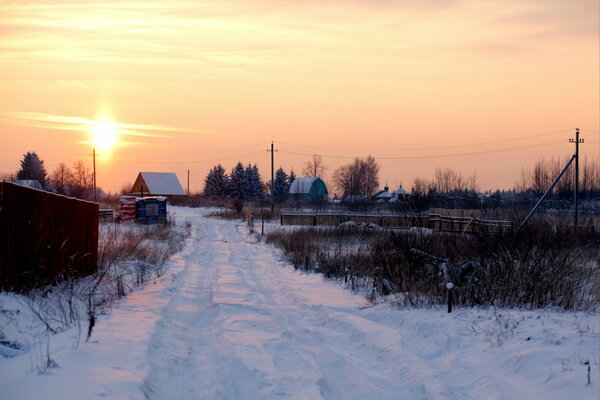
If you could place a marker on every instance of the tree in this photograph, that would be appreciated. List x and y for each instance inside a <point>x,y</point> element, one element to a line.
<point>315,167</point>
<point>236,182</point>
<point>281,186</point>
<point>253,186</point>
<point>216,182</point>
<point>61,179</point>
<point>7,176</point>
<point>81,184</point>
<point>32,168</point>
<point>292,177</point>
<point>361,177</point>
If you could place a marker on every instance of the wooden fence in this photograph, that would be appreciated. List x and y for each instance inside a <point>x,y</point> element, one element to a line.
<point>433,221</point>
<point>44,236</point>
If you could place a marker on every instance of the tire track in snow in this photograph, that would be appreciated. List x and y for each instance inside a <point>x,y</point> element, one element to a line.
<point>238,325</point>
<point>175,352</point>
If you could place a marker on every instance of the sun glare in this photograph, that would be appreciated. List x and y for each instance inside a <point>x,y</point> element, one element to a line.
<point>104,135</point>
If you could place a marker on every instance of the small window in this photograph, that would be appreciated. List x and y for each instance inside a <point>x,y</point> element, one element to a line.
<point>151,209</point>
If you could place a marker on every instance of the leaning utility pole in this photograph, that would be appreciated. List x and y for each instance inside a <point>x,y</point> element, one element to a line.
<point>575,196</point>
<point>574,157</point>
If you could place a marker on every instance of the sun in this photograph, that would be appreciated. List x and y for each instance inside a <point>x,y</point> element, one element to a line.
<point>104,134</point>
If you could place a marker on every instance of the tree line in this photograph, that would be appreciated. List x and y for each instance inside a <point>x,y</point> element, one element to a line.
<point>245,183</point>
<point>357,178</point>
<point>74,181</point>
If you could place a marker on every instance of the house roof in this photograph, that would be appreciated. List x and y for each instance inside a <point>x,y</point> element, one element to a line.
<point>301,185</point>
<point>401,191</point>
<point>158,183</point>
<point>384,194</point>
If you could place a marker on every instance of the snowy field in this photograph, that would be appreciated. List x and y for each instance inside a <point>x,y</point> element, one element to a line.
<point>230,321</point>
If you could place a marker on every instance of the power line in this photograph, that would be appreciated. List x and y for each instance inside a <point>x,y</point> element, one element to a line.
<point>440,155</point>
<point>435,147</point>
<point>218,152</point>
<point>192,161</point>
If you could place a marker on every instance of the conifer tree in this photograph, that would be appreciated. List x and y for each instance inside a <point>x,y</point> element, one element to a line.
<point>32,168</point>
<point>236,182</point>
<point>281,186</point>
<point>216,182</point>
<point>253,186</point>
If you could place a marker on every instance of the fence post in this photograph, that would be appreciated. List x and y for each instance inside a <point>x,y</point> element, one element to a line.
<point>450,287</point>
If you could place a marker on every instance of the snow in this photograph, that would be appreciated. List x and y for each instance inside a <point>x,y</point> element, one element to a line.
<point>230,321</point>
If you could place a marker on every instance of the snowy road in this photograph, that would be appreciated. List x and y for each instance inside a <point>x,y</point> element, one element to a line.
<point>237,326</point>
<point>229,321</point>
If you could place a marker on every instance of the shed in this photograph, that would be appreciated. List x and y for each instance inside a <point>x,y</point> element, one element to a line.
<point>157,184</point>
<point>309,189</point>
<point>150,210</point>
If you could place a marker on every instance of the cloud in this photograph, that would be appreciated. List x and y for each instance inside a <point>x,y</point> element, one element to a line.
<point>82,124</point>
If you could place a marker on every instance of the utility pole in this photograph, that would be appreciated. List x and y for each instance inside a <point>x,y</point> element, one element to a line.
<point>575,196</point>
<point>94,176</point>
<point>188,185</point>
<point>272,177</point>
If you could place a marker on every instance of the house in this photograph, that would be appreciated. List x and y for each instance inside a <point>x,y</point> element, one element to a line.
<point>400,194</point>
<point>157,184</point>
<point>309,189</point>
<point>384,195</point>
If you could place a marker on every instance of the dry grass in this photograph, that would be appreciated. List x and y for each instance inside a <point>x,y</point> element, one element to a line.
<point>129,256</point>
<point>530,269</point>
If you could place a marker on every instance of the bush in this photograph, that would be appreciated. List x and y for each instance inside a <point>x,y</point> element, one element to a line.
<point>529,269</point>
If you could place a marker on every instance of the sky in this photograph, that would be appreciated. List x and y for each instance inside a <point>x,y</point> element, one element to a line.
<point>483,86</point>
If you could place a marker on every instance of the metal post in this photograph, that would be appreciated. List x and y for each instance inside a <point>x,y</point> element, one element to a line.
<point>450,287</point>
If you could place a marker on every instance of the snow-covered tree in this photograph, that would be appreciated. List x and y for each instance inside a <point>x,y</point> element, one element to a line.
<point>32,168</point>
<point>216,182</point>
<point>253,186</point>
<point>236,182</point>
<point>281,186</point>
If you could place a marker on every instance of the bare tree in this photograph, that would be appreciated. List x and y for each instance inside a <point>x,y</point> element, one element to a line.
<point>7,176</point>
<point>361,177</point>
<point>315,167</point>
<point>61,179</point>
<point>82,181</point>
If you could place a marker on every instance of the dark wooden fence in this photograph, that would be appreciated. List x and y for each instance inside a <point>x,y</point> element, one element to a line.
<point>433,221</point>
<point>44,236</point>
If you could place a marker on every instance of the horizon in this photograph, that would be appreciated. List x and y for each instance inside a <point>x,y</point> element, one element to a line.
<point>479,87</point>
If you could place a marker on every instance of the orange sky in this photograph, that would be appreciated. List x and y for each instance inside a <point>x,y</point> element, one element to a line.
<point>472,85</point>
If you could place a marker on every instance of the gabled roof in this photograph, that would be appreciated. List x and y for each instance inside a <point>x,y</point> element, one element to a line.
<point>302,185</point>
<point>158,183</point>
